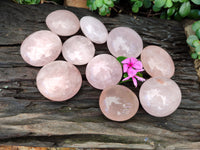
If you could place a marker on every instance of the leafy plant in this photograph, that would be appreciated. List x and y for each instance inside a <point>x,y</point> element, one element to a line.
<point>103,6</point>
<point>169,9</point>
<point>29,2</point>
<point>194,40</point>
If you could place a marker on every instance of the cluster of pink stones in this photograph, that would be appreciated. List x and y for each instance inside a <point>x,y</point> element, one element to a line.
<point>60,80</point>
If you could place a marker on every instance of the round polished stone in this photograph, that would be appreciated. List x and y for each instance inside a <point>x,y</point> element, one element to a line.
<point>157,62</point>
<point>160,96</point>
<point>41,48</point>
<point>59,80</point>
<point>78,50</point>
<point>94,29</point>
<point>103,70</point>
<point>63,22</point>
<point>124,41</point>
<point>118,103</point>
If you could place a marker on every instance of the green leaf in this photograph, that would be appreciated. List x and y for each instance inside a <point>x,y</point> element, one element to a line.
<point>196,26</point>
<point>163,15</point>
<point>171,11</point>
<point>121,58</point>
<point>185,9</point>
<point>99,3</point>
<point>196,43</point>
<point>125,75</point>
<point>138,4</point>
<point>168,4</point>
<point>197,2</point>
<point>198,33</point>
<point>194,14</point>
<point>197,50</point>
<point>159,3</point>
<point>182,1</point>
<point>139,74</point>
<point>175,1</point>
<point>109,3</point>
<point>147,3</point>
<point>190,39</point>
<point>135,9</point>
<point>156,9</point>
<point>194,55</point>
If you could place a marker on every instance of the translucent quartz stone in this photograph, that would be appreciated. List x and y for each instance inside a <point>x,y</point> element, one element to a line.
<point>160,96</point>
<point>63,22</point>
<point>94,29</point>
<point>118,103</point>
<point>59,80</point>
<point>124,41</point>
<point>157,62</point>
<point>103,70</point>
<point>41,48</point>
<point>78,50</point>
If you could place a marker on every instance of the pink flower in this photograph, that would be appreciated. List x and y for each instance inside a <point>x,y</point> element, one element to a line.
<point>132,63</point>
<point>132,66</point>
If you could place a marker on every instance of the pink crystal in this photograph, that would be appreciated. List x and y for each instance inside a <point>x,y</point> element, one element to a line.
<point>103,71</point>
<point>94,29</point>
<point>157,62</point>
<point>118,103</point>
<point>59,80</point>
<point>160,96</point>
<point>78,50</point>
<point>124,41</point>
<point>63,22</point>
<point>41,48</point>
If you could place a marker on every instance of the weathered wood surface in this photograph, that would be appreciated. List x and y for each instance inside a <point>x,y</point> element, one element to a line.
<point>27,118</point>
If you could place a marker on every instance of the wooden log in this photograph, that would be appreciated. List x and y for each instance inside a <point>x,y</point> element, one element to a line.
<point>28,119</point>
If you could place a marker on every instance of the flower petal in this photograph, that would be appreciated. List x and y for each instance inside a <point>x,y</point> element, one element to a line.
<point>125,67</point>
<point>138,65</point>
<point>140,78</point>
<point>126,61</point>
<point>131,72</point>
<point>133,60</point>
<point>127,78</point>
<point>134,81</point>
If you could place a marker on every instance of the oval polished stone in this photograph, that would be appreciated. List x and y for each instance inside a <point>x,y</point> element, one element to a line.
<point>160,96</point>
<point>63,22</point>
<point>59,80</point>
<point>94,29</point>
<point>41,48</point>
<point>157,62</point>
<point>118,103</point>
<point>124,41</point>
<point>103,71</point>
<point>78,50</point>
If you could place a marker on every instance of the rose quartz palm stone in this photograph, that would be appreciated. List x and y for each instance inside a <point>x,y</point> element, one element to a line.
<point>94,29</point>
<point>118,103</point>
<point>160,96</point>
<point>63,22</point>
<point>59,80</point>
<point>103,71</point>
<point>78,50</point>
<point>41,48</point>
<point>124,41</point>
<point>157,62</point>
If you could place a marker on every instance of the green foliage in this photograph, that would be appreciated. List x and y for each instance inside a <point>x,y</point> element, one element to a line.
<point>28,2</point>
<point>194,40</point>
<point>103,6</point>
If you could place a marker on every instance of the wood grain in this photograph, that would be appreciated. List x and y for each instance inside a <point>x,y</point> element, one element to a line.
<point>28,119</point>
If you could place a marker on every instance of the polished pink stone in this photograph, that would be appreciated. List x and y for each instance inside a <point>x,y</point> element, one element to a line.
<point>160,96</point>
<point>63,22</point>
<point>94,29</point>
<point>118,103</point>
<point>41,48</point>
<point>124,41</point>
<point>103,70</point>
<point>157,62</point>
<point>78,50</point>
<point>59,80</point>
